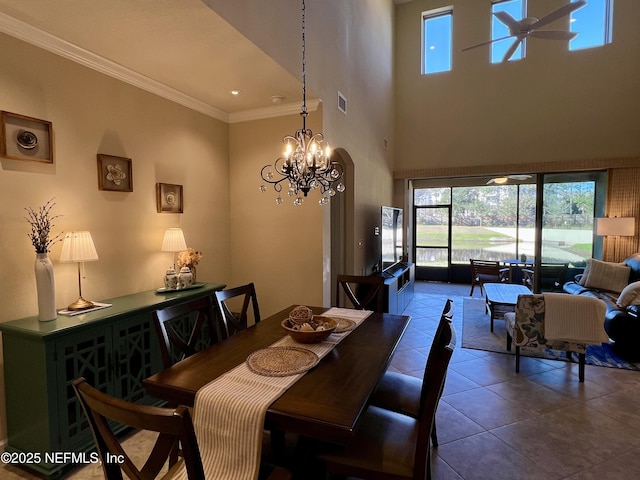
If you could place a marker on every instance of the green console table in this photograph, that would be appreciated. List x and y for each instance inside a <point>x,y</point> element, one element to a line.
<point>114,349</point>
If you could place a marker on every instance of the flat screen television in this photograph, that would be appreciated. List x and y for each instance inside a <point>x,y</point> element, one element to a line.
<point>391,246</point>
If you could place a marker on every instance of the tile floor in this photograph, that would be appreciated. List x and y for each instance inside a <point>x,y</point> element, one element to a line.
<point>496,424</point>
<point>538,424</point>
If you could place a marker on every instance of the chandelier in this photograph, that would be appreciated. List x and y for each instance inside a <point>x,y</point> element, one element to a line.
<point>306,163</point>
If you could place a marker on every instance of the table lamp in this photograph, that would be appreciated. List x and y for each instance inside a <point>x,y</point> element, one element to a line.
<point>78,247</point>
<point>173,242</point>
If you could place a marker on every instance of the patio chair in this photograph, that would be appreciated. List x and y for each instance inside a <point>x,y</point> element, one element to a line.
<point>487,271</point>
<point>552,277</point>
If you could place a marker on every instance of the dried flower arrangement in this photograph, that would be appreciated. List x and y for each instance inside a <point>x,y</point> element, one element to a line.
<point>41,224</point>
<point>189,258</point>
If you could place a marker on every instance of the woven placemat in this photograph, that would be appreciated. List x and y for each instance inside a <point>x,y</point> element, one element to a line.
<point>281,361</point>
<point>344,325</point>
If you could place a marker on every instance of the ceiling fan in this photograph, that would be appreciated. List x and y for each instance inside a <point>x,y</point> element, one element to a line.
<point>506,178</point>
<point>528,27</point>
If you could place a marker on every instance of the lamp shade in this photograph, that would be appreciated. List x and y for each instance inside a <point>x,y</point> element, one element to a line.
<point>173,240</point>
<point>615,226</point>
<point>78,247</point>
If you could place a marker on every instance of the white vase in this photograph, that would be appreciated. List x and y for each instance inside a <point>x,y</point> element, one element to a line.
<point>46,288</point>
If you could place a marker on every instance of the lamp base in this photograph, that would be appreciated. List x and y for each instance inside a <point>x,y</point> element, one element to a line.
<point>80,304</point>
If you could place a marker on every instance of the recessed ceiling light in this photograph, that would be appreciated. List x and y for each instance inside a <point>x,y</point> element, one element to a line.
<point>234,92</point>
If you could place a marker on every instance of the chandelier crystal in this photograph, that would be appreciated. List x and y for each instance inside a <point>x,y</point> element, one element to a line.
<point>306,162</point>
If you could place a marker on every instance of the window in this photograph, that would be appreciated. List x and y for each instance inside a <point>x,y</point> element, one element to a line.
<point>593,23</point>
<point>436,40</point>
<point>470,219</point>
<point>518,10</point>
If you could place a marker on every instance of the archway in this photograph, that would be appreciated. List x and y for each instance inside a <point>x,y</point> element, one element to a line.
<point>338,227</point>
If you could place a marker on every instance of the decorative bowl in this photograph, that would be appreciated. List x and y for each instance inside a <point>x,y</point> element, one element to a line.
<point>327,324</point>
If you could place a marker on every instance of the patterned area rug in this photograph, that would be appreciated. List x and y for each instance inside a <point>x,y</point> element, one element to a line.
<point>476,334</point>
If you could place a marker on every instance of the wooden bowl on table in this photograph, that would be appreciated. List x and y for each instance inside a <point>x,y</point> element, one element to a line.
<point>315,330</point>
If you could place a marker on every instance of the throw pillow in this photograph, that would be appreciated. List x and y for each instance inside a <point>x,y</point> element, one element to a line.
<point>605,275</point>
<point>630,295</point>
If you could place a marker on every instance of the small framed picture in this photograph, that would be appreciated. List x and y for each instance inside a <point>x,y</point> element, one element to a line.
<point>26,138</point>
<point>169,198</point>
<point>115,173</point>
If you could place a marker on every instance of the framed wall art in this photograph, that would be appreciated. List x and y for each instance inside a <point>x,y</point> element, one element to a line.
<point>169,198</point>
<point>115,173</point>
<point>25,138</point>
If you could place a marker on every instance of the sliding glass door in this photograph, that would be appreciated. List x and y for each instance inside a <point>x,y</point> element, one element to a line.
<point>547,220</point>
<point>570,203</point>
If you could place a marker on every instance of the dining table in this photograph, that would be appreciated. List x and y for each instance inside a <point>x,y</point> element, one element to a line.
<point>325,403</point>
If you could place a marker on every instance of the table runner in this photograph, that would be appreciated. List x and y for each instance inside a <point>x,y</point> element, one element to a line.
<point>229,412</point>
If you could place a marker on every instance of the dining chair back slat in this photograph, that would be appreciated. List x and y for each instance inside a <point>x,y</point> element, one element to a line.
<point>174,426</point>
<point>236,319</point>
<point>363,292</point>
<point>405,394</point>
<point>186,328</point>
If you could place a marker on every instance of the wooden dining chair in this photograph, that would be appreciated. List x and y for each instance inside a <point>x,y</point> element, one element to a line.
<point>388,445</point>
<point>363,292</point>
<point>186,328</point>
<point>402,393</point>
<point>487,271</point>
<point>174,426</point>
<point>233,318</point>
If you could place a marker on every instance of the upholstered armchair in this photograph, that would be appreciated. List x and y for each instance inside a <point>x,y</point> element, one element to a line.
<point>556,321</point>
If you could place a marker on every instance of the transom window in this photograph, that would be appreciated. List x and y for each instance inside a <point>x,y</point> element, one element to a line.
<point>436,40</point>
<point>517,9</point>
<point>593,23</point>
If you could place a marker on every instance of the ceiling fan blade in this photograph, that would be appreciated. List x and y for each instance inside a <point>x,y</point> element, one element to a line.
<point>485,43</point>
<point>507,19</point>
<point>559,13</point>
<point>512,49</point>
<point>553,34</point>
<point>520,177</point>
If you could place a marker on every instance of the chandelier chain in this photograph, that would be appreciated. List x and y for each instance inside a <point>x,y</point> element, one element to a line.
<point>304,69</point>
<point>306,163</point>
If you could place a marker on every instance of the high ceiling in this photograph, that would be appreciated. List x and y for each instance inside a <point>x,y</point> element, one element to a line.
<point>179,49</point>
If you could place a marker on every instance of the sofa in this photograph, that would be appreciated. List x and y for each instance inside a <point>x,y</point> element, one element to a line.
<point>618,285</point>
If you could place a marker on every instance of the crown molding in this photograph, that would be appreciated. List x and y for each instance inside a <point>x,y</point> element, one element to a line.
<point>273,111</point>
<point>30,34</point>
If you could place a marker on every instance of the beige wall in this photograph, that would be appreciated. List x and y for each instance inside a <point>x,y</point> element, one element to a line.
<point>243,234</point>
<point>278,247</point>
<point>553,106</point>
<point>349,49</point>
<point>91,114</point>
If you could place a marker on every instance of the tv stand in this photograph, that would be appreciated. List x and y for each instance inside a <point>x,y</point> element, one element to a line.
<point>399,286</point>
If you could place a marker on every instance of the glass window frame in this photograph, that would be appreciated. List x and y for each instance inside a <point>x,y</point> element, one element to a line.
<point>606,33</point>
<point>432,15</point>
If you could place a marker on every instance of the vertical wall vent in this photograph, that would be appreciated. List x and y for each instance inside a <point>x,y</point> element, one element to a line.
<point>342,103</point>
